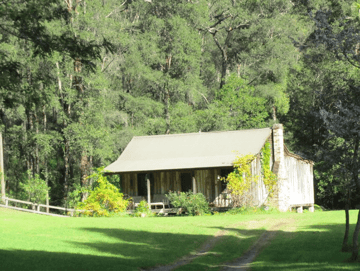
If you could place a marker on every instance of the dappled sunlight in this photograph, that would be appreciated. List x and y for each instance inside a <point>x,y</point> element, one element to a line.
<point>298,242</point>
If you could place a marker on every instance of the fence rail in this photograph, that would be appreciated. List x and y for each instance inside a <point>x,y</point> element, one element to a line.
<point>36,207</point>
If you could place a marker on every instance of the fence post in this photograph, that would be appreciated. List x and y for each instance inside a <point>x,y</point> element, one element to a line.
<point>38,207</point>
<point>6,202</point>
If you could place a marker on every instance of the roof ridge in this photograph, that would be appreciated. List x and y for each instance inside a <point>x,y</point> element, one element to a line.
<point>197,133</point>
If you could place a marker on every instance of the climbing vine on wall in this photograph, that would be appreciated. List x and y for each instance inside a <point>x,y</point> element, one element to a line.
<point>269,177</point>
<point>240,180</point>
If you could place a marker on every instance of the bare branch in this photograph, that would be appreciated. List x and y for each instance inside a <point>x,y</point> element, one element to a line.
<point>206,100</point>
<point>115,9</point>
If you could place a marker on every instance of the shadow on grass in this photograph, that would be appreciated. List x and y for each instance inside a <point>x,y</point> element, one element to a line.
<point>20,260</point>
<point>311,248</point>
<point>314,247</point>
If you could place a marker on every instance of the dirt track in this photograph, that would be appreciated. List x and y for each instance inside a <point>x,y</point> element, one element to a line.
<point>241,263</point>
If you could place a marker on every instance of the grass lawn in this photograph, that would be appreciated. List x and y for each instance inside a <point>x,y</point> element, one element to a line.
<point>313,243</point>
<point>309,241</point>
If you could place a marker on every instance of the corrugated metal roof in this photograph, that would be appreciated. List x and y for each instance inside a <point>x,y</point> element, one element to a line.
<point>194,150</point>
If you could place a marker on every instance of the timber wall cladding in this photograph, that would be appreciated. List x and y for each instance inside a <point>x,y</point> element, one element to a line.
<point>257,191</point>
<point>300,181</point>
<point>165,181</point>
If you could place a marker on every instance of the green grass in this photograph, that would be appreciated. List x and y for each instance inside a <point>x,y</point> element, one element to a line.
<point>35,242</point>
<point>314,243</point>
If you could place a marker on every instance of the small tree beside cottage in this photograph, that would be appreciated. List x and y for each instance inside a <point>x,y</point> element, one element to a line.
<point>104,199</point>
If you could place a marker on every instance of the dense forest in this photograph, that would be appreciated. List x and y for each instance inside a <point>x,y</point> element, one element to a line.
<point>78,79</point>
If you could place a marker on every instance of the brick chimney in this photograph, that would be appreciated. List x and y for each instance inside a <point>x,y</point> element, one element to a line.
<point>279,168</point>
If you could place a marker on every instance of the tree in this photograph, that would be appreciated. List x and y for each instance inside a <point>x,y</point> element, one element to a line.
<point>339,108</point>
<point>163,62</point>
<point>104,199</point>
<point>251,39</point>
<point>36,189</point>
<point>236,106</point>
<point>29,21</point>
<point>47,88</point>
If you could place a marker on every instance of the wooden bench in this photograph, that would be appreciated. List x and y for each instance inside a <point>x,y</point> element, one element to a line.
<point>157,200</point>
<point>160,199</point>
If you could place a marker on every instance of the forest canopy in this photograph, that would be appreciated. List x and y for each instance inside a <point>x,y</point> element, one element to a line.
<point>79,78</point>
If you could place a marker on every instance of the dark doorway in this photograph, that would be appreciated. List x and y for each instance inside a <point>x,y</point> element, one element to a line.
<point>142,186</point>
<point>186,182</point>
<point>224,173</point>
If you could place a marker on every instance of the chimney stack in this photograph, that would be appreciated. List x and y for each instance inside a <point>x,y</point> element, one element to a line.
<point>279,167</point>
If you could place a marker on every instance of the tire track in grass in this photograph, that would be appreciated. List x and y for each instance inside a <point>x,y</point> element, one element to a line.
<point>187,259</point>
<point>243,263</point>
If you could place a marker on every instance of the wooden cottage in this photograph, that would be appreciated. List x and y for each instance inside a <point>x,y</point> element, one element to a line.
<point>150,166</point>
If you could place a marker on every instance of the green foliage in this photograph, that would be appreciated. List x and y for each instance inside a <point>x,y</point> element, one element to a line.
<point>193,204</point>
<point>74,197</point>
<point>236,106</point>
<point>240,181</point>
<point>104,199</point>
<point>319,208</point>
<point>162,75</point>
<point>143,209</point>
<point>35,188</point>
<point>269,178</point>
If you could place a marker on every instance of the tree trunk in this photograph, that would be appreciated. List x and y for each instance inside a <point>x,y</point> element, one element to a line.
<point>2,168</point>
<point>84,165</point>
<point>355,248</point>
<point>224,54</point>
<point>46,173</point>
<point>167,111</point>
<point>224,61</point>
<point>345,246</point>
<point>67,156</point>
<point>36,160</point>
<point>354,165</point>
<point>29,128</point>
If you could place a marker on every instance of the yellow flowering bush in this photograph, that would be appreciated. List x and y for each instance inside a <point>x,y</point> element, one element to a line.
<point>104,199</point>
<point>240,180</point>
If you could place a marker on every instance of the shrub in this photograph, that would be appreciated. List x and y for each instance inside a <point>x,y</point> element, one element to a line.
<point>104,199</point>
<point>74,197</point>
<point>143,208</point>
<point>319,208</point>
<point>35,188</point>
<point>193,204</point>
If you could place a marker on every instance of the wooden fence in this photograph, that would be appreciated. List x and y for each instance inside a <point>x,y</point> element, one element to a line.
<point>36,208</point>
